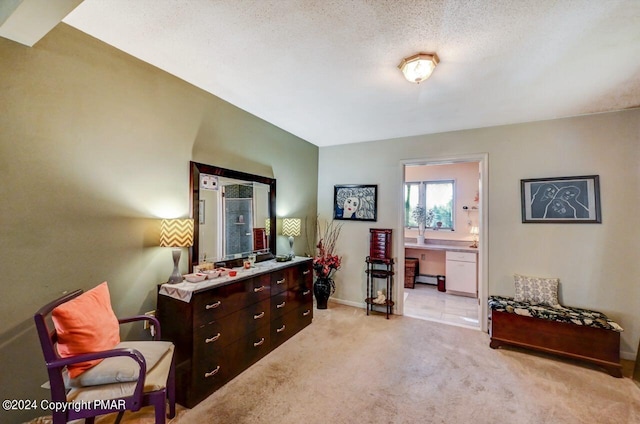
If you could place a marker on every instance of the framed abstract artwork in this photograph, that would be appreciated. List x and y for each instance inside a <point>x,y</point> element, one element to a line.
<point>559,200</point>
<point>355,202</point>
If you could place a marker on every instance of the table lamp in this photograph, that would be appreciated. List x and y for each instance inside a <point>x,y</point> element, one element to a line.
<point>176,233</point>
<point>474,231</point>
<point>291,228</point>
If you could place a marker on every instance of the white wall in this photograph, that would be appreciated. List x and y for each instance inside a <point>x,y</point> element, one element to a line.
<point>597,264</point>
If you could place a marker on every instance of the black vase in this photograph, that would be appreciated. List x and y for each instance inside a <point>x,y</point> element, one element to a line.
<point>322,289</point>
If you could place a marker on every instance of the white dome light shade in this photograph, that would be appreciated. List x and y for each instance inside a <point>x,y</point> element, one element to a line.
<point>419,67</point>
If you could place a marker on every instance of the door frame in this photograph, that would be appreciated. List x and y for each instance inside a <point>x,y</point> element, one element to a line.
<point>483,219</point>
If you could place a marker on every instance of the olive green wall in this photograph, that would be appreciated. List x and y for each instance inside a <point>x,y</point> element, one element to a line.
<point>95,147</point>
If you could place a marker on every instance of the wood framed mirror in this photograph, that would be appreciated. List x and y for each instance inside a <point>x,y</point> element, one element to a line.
<point>234,214</point>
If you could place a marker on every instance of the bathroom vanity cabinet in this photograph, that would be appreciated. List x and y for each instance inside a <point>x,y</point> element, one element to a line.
<point>462,273</point>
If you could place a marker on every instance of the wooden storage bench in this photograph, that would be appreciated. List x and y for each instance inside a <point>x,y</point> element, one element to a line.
<point>570,332</point>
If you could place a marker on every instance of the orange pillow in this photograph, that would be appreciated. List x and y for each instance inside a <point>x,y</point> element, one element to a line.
<point>86,324</point>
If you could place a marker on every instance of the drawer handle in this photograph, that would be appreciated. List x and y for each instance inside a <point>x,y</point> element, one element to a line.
<point>304,293</point>
<point>281,329</point>
<point>256,344</point>
<point>307,312</point>
<point>213,305</point>
<point>306,272</point>
<point>212,373</point>
<point>258,289</point>
<point>212,339</point>
<point>281,281</point>
<point>280,305</point>
<point>258,316</point>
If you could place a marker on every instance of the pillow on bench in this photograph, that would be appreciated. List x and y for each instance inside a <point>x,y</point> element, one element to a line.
<point>536,290</point>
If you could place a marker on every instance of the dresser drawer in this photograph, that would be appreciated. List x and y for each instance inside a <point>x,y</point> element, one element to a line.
<point>248,291</point>
<point>300,295</point>
<point>289,324</point>
<point>251,348</point>
<point>216,303</point>
<point>307,275</point>
<point>210,306</point>
<point>222,365</point>
<point>300,275</point>
<point>279,281</point>
<point>209,375</point>
<point>220,333</point>
<point>282,303</point>
<point>461,256</point>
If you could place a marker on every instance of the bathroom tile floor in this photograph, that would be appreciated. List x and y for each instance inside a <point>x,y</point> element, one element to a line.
<point>426,302</point>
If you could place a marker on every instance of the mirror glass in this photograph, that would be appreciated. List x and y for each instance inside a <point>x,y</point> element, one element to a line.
<point>233,213</point>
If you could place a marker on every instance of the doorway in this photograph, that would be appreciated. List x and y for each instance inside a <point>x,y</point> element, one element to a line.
<point>454,243</point>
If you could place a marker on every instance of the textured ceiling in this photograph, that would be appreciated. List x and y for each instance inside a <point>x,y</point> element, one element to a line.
<point>326,70</point>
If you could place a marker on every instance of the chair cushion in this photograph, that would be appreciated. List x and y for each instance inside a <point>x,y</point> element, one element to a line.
<point>536,290</point>
<point>86,324</point>
<point>121,369</point>
<point>156,379</point>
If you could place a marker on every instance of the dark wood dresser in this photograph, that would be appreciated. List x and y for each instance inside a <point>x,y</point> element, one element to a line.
<point>222,329</point>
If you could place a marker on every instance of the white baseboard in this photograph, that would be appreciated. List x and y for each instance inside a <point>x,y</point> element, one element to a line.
<point>629,356</point>
<point>357,304</point>
<point>348,303</point>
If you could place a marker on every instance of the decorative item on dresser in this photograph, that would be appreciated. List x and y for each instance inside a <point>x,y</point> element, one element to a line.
<point>221,327</point>
<point>291,228</point>
<point>176,233</point>
<point>379,267</point>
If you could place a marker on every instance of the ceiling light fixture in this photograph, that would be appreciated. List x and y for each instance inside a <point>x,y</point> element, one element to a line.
<point>418,67</point>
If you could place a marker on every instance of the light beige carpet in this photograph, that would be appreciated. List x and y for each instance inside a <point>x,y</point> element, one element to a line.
<point>347,367</point>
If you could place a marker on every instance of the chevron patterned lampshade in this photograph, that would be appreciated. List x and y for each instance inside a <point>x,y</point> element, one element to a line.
<point>291,227</point>
<point>176,233</point>
<point>267,226</point>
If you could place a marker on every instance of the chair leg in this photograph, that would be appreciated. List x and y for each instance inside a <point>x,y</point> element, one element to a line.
<point>59,417</point>
<point>171,389</point>
<point>160,406</point>
<point>119,417</point>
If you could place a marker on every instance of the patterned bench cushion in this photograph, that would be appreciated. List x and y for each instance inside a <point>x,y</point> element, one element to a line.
<point>575,316</point>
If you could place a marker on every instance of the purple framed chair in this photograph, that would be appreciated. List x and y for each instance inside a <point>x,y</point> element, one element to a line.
<point>133,375</point>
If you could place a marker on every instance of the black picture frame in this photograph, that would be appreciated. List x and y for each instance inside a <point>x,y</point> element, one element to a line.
<point>363,198</point>
<point>573,200</point>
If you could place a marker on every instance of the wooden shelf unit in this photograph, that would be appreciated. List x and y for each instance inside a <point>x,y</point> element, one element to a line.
<point>373,273</point>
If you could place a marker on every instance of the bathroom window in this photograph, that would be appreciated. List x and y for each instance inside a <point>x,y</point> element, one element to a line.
<point>433,195</point>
